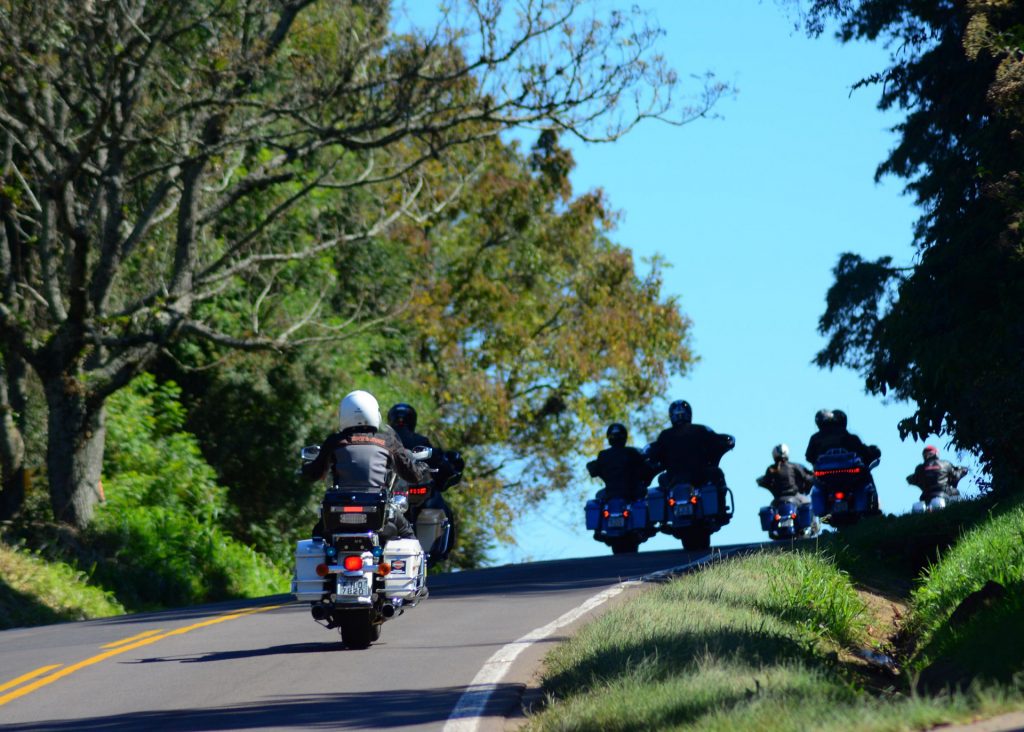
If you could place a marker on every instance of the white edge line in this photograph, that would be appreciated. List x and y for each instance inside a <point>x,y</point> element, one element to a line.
<point>469,710</point>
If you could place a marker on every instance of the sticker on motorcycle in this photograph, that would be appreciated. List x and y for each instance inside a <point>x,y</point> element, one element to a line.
<point>398,565</point>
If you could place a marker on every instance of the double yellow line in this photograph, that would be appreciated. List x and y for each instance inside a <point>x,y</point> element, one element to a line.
<point>114,649</point>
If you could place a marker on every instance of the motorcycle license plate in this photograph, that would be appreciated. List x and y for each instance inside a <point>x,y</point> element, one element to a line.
<point>684,509</point>
<point>786,524</point>
<point>354,588</point>
<point>839,506</point>
<point>616,522</point>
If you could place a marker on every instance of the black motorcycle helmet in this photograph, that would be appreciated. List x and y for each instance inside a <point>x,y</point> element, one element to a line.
<point>402,415</point>
<point>680,412</point>
<point>616,434</point>
<point>839,417</point>
<point>823,417</point>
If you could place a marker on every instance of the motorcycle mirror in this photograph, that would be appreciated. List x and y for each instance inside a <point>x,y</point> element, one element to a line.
<point>421,453</point>
<point>310,453</point>
<point>401,503</point>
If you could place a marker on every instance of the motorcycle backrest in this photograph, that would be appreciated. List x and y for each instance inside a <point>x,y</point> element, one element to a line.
<point>837,458</point>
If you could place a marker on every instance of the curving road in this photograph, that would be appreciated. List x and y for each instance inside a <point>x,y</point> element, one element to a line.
<point>265,665</point>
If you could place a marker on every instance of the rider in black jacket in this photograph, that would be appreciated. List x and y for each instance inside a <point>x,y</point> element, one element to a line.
<point>936,477</point>
<point>689,452</point>
<point>832,433</point>
<point>362,456</point>
<point>786,480</point>
<point>623,469</point>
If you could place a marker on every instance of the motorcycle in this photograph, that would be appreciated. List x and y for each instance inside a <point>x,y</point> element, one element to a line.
<point>787,519</point>
<point>428,511</point>
<point>693,512</point>
<point>352,580</point>
<point>938,499</point>
<point>621,524</point>
<point>843,490</point>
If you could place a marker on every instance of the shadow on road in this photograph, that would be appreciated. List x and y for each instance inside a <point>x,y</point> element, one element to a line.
<point>398,708</point>
<point>332,647</point>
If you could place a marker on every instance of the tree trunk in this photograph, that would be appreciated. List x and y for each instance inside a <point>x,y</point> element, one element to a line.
<point>74,453</point>
<point>12,443</point>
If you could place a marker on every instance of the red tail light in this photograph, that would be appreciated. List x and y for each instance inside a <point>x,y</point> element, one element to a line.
<point>840,496</point>
<point>418,491</point>
<point>625,514</point>
<point>606,513</point>
<point>351,509</point>
<point>837,471</point>
<point>352,563</point>
<point>693,500</point>
<point>671,501</point>
<point>792,515</point>
<point>777,517</point>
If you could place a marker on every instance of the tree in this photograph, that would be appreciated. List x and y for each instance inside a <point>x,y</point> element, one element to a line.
<point>153,152</point>
<point>948,331</point>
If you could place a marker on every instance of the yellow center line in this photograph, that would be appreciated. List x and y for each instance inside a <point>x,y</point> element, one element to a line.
<point>121,642</point>
<point>68,670</point>
<point>29,676</point>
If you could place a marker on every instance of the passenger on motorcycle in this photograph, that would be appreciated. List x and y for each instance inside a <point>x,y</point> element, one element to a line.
<point>402,419</point>
<point>362,456</point>
<point>936,477</point>
<point>832,434</point>
<point>689,452</point>
<point>786,480</point>
<point>623,469</point>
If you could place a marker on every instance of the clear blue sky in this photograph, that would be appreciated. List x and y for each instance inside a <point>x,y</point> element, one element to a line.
<point>752,210</point>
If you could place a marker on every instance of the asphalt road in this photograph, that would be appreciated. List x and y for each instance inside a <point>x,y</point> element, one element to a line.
<point>265,665</point>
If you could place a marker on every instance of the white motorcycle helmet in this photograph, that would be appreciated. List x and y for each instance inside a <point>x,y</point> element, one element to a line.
<point>358,409</point>
<point>780,452</point>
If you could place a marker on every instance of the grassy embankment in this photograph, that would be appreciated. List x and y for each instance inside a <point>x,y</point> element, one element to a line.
<point>776,640</point>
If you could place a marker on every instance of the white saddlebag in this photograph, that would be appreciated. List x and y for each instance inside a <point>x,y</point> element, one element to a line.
<point>306,585</point>
<point>408,569</point>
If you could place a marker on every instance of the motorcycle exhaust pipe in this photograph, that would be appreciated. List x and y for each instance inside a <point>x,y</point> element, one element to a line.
<point>319,612</point>
<point>390,611</point>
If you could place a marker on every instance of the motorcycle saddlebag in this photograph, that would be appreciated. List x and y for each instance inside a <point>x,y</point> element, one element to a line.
<point>655,505</point>
<point>408,568</point>
<point>638,514</point>
<point>818,501</point>
<point>766,514</point>
<point>306,585</point>
<point>429,527</point>
<point>804,516</point>
<point>593,512</point>
<point>709,500</point>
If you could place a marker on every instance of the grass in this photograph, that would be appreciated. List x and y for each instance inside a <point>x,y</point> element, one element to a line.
<point>34,591</point>
<point>757,643</point>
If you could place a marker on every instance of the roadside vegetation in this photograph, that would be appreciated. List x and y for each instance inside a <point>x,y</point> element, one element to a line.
<point>792,640</point>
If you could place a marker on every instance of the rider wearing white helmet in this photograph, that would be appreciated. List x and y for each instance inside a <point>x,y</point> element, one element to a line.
<point>362,456</point>
<point>784,479</point>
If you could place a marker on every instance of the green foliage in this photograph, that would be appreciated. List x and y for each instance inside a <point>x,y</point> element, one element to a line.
<point>158,541</point>
<point>34,591</point>
<point>726,649</point>
<point>945,333</point>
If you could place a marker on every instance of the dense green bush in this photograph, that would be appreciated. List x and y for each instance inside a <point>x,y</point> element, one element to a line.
<point>158,540</point>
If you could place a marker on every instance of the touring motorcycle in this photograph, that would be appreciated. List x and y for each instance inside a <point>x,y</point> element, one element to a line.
<point>352,578</point>
<point>843,490</point>
<point>621,524</point>
<point>427,509</point>
<point>787,519</point>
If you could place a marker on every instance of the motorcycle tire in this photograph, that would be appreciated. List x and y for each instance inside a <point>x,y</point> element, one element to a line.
<point>357,632</point>
<point>625,546</point>
<point>696,539</point>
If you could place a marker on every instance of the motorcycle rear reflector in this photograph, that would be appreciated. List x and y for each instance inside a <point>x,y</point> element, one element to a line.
<point>625,513</point>
<point>321,570</point>
<point>792,515</point>
<point>671,501</point>
<point>606,513</point>
<point>352,563</point>
<point>693,500</point>
<point>777,517</point>
<point>840,496</point>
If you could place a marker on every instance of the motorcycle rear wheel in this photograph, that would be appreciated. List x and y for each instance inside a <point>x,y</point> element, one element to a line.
<point>357,632</point>
<point>696,539</point>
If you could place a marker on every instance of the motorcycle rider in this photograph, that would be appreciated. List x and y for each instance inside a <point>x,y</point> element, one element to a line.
<point>623,469</point>
<point>402,419</point>
<point>361,455</point>
<point>786,480</point>
<point>832,433</point>
<point>689,453</point>
<point>936,477</point>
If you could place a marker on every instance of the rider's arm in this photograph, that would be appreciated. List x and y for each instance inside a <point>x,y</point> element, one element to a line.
<point>316,469</point>
<point>408,469</point>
